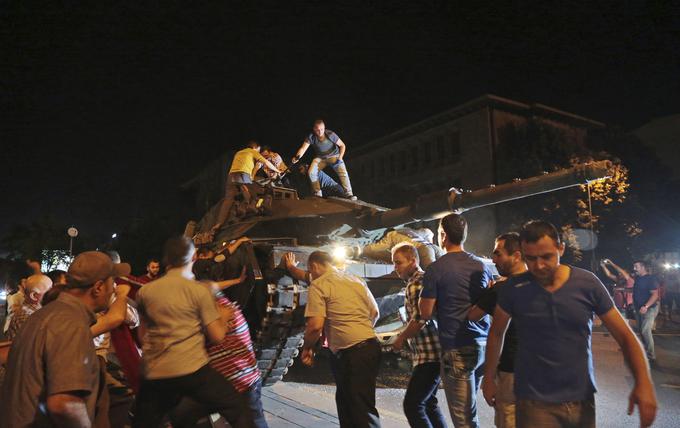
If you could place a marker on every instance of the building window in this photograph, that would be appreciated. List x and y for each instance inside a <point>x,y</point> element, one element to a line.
<point>393,164</point>
<point>404,161</point>
<point>427,149</point>
<point>454,146</point>
<point>441,148</point>
<point>414,158</point>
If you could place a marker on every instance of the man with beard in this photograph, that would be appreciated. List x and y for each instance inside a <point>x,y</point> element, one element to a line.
<point>507,257</point>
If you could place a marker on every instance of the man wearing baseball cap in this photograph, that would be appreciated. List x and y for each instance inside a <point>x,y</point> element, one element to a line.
<point>52,371</point>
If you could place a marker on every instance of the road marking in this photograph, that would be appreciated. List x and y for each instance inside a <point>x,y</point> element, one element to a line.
<point>670,385</point>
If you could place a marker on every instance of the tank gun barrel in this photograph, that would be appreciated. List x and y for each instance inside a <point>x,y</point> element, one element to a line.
<point>440,203</point>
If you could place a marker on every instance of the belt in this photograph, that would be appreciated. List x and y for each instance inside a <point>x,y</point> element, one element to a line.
<point>362,344</point>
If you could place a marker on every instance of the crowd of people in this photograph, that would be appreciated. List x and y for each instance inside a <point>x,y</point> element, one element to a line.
<point>533,361</point>
<point>186,350</point>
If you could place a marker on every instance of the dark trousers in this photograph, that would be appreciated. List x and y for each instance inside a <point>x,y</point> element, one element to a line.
<point>251,416</point>
<point>420,402</point>
<point>205,386</point>
<point>355,370</point>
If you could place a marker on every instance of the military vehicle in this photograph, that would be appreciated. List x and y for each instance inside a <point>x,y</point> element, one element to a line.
<point>278,221</point>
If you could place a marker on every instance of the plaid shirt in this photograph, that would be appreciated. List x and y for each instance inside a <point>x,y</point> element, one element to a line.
<point>425,345</point>
<point>20,317</point>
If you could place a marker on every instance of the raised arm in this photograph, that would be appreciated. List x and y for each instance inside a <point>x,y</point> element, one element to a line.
<point>116,314</point>
<point>607,272</point>
<point>293,270</point>
<point>620,270</point>
<point>643,394</point>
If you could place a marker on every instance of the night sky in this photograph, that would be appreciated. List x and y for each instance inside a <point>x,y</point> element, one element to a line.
<point>105,110</point>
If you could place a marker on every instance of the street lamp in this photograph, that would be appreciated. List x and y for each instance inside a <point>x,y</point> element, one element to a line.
<point>72,233</point>
<point>114,236</point>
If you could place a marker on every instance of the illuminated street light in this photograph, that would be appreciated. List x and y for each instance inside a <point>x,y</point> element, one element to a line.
<point>114,236</point>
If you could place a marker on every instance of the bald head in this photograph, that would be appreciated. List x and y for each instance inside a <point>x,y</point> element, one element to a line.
<point>37,285</point>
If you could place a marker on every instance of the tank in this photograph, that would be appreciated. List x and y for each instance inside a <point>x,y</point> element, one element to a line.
<point>279,221</point>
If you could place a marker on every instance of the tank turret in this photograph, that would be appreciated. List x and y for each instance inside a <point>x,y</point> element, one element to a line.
<point>278,221</point>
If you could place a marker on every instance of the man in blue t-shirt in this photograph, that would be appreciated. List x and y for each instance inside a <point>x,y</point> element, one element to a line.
<point>646,303</point>
<point>552,308</point>
<point>329,150</point>
<point>450,286</point>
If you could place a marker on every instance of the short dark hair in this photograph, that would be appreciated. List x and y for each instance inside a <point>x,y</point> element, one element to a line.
<point>178,251</point>
<point>152,260</point>
<point>408,250</point>
<point>455,226</point>
<point>253,144</point>
<point>511,242</point>
<point>266,148</point>
<point>319,257</point>
<point>319,122</point>
<point>204,251</point>
<point>534,230</point>
<point>645,263</point>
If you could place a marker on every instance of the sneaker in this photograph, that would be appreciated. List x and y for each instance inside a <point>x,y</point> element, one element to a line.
<point>350,197</point>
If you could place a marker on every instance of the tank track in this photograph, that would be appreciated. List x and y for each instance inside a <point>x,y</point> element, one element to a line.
<point>278,341</point>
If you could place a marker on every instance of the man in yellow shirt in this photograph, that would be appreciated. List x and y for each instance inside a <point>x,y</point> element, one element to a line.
<point>241,172</point>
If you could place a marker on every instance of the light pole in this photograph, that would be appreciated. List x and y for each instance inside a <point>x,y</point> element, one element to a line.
<point>72,233</point>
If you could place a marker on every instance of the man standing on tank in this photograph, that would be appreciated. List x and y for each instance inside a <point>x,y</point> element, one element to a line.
<point>329,150</point>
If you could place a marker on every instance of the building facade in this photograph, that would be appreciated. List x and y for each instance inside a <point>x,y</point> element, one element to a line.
<point>456,148</point>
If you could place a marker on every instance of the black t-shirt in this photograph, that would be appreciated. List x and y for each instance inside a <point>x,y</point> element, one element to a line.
<point>487,303</point>
<point>642,290</point>
<point>208,269</point>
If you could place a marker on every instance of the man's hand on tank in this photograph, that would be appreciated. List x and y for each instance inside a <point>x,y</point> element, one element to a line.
<point>289,259</point>
<point>307,357</point>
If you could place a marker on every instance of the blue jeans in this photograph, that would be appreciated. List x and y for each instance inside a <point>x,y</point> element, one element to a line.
<point>462,371</point>
<point>338,165</point>
<point>420,403</point>
<point>645,324</point>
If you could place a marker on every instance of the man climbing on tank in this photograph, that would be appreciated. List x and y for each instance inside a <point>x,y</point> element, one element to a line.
<point>329,150</point>
<point>241,173</point>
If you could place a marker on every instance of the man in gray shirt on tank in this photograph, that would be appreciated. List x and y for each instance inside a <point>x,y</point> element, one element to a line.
<point>177,313</point>
<point>329,150</point>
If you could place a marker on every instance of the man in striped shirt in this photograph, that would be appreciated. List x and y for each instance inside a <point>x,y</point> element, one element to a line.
<point>420,403</point>
<point>233,358</point>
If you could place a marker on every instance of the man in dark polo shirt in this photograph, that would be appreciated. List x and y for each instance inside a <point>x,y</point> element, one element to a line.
<point>646,303</point>
<point>53,371</point>
<point>553,305</point>
<point>507,256</point>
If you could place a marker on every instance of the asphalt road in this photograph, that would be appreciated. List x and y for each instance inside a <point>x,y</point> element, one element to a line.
<point>306,396</point>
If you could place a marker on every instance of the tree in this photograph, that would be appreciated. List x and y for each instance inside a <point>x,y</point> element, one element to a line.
<point>529,149</point>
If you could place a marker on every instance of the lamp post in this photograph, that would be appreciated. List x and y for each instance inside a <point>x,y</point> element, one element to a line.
<point>72,233</point>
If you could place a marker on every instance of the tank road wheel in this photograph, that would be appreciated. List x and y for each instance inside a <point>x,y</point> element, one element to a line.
<point>278,341</point>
